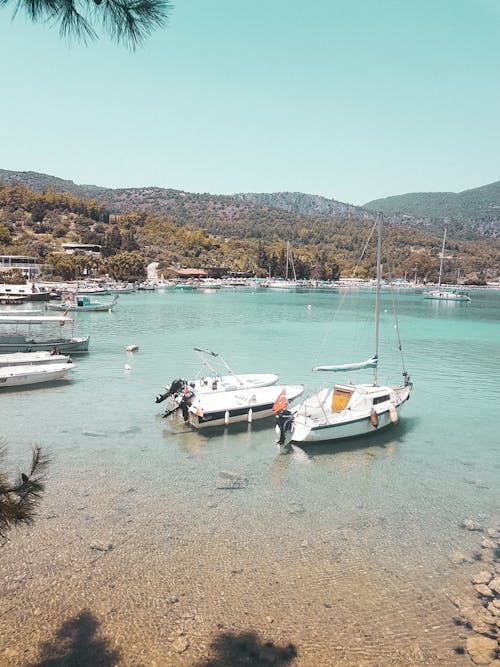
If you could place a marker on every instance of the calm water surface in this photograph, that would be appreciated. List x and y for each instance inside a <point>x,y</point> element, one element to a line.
<point>344,551</point>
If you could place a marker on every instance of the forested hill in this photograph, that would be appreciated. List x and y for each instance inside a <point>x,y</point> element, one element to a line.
<point>476,211</point>
<point>473,214</point>
<point>35,224</point>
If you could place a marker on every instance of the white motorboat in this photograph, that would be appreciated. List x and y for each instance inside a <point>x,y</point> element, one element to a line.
<point>28,291</point>
<point>223,408</point>
<point>26,374</point>
<point>442,294</point>
<point>24,333</point>
<point>215,376</point>
<point>346,410</point>
<point>32,358</point>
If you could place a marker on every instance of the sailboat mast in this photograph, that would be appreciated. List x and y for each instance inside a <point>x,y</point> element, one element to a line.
<point>441,262</point>
<point>377,292</point>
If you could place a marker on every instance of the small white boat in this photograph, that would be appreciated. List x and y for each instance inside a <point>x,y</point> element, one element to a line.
<point>32,358</point>
<point>82,303</point>
<point>214,381</point>
<point>243,405</point>
<point>16,376</point>
<point>448,295</point>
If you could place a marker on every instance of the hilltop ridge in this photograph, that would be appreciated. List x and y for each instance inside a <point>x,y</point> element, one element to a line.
<point>472,214</point>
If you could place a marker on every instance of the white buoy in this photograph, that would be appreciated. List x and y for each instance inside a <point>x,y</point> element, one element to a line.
<point>128,367</point>
<point>226,417</point>
<point>309,306</point>
<point>250,416</point>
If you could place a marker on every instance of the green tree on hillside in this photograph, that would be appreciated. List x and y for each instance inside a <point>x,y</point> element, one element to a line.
<point>126,266</point>
<point>128,22</point>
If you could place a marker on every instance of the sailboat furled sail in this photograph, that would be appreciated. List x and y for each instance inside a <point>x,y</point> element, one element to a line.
<point>369,363</point>
<point>346,410</point>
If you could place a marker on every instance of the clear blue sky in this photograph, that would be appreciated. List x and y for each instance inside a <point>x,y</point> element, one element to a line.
<point>350,99</point>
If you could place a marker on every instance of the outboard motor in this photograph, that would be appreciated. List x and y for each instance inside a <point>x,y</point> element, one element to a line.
<point>176,387</point>
<point>284,426</point>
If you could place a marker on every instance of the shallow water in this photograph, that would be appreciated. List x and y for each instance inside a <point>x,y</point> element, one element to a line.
<point>343,550</point>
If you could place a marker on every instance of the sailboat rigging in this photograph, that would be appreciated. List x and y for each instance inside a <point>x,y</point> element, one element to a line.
<point>346,410</point>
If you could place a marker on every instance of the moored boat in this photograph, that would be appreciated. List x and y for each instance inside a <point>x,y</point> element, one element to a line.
<point>32,358</point>
<point>351,409</point>
<point>440,294</point>
<point>27,292</point>
<point>16,376</point>
<point>17,334</point>
<point>243,405</point>
<point>82,303</point>
<point>219,378</point>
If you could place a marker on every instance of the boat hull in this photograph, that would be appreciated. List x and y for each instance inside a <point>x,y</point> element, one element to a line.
<point>80,309</point>
<point>447,296</point>
<point>17,376</point>
<point>238,406</point>
<point>342,426</point>
<point>31,358</point>
<point>19,343</point>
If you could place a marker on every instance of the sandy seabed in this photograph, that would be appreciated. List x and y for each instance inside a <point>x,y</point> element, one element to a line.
<point>131,576</point>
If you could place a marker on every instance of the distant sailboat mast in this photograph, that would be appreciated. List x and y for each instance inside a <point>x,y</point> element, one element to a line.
<point>289,260</point>
<point>442,257</point>
<point>377,293</point>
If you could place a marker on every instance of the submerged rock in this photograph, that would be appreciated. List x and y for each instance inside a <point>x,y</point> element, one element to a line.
<point>180,645</point>
<point>495,585</point>
<point>98,546</point>
<point>484,590</point>
<point>469,524</point>
<point>231,480</point>
<point>483,577</point>
<point>481,649</point>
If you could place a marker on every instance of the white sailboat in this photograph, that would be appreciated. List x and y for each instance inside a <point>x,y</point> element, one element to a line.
<point>346,410</point>
<point>446,295</point>
<point>287,283</point>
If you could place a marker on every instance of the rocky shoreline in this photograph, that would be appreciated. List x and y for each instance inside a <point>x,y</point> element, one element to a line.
<point>479,608</point>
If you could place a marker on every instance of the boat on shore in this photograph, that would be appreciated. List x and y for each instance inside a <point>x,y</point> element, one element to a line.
<point>20,333</point>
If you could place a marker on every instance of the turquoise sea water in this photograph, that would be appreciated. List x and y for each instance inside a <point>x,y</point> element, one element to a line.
<point>343,550</point>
